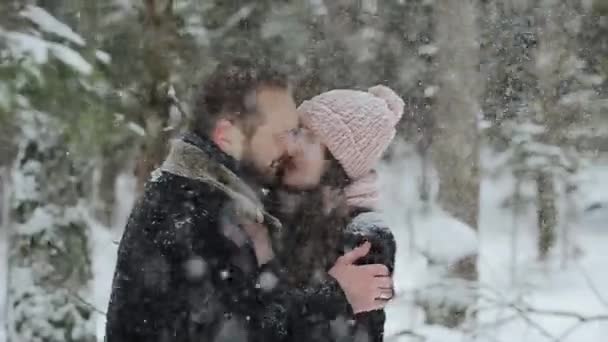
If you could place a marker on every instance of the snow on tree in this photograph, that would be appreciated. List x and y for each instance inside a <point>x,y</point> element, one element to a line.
<point>548,86</point>
<point>49,266</point>
<point>49,262</point>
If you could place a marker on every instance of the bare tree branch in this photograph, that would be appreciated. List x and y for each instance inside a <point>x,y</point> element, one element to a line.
<point>560,313</point>
<point>85,302</point>
<point>532,323</point>
<point>394,337</point>
<point>243,13</point>
<point>175,102</point>
<point>525,310</point>
<point>515,309</point>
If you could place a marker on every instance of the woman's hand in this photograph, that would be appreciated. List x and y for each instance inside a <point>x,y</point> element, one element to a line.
<point>367,287</point>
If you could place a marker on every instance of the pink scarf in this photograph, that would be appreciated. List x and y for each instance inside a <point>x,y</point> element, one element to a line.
<point>363,193</point>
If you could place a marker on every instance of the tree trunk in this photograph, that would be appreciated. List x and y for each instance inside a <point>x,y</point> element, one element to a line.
<point>3,196</point>
<point>455,142</point>
<point>104,198</point>
<point>3,248</point>
<point>570,249</point>
<point>154,146</point>
<point>600,6</point>
<point>455,146</point>
<point>546,213</point>
<point>556,44</point>
<point>49,261</point>
<point>518,204</point>
<point>159,30</point>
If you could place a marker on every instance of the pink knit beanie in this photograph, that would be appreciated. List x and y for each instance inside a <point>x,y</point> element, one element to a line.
<point>356,126</point>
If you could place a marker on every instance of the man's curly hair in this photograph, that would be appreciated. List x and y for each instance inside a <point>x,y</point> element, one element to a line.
<point>229,92</point>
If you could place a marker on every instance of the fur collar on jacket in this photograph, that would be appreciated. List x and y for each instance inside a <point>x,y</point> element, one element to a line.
<point>189,161</point>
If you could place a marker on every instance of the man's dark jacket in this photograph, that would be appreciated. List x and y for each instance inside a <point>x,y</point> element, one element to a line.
<point>186,271</point>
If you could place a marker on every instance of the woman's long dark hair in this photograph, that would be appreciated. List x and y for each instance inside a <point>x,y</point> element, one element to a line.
<point>312,236</point>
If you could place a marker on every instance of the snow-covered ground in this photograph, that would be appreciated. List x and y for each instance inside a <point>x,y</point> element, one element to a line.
<point>521,298</point>
<point>575,285</point>
<point>104,259</point>
<point>105,246</point>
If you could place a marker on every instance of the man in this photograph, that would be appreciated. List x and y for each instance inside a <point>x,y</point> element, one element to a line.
<point>196,259</point>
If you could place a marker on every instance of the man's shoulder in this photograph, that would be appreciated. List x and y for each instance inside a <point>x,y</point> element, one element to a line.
<point>168,186</point>
<point>168,197</point>
<point>169,206</point>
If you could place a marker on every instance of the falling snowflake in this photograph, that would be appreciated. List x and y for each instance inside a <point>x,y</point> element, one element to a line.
<point>267,281</point>
<point>195,268</point>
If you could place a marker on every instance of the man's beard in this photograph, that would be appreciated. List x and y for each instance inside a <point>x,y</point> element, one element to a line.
<point>254,176</point>
<point>250,171</point>
<point>267,178</point>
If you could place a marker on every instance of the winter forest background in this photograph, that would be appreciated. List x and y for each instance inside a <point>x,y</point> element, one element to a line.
<point>496,189</point>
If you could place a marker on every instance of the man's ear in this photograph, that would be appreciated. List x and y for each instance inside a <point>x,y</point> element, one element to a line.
<point>221,133</point>
<point>229,138</point>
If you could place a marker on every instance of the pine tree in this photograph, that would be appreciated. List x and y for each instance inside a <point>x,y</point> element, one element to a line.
<point>50,266</point>
<point>51,95</point>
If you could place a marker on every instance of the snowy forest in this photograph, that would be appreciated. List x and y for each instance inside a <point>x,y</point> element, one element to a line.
<point>496,187</point>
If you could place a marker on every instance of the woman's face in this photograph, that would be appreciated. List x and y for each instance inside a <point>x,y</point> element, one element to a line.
<point>307,162</point>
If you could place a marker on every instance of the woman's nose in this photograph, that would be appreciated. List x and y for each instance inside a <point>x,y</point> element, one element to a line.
<point>293,144</point>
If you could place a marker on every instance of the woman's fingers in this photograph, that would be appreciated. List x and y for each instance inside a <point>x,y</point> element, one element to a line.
<point>384,283</point>
<point>377,270</point>
<point>384,286</point>
<point>382,298</point>
<point>385,294</point>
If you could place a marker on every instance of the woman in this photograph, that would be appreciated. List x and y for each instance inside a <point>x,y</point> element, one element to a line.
<point>330,198</point>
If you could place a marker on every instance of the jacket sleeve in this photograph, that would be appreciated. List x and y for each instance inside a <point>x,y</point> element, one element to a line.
<point>371,227</point>
<point>284,306</point>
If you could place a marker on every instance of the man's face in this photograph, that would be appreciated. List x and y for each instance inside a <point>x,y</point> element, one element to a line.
<point>267,146</point>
